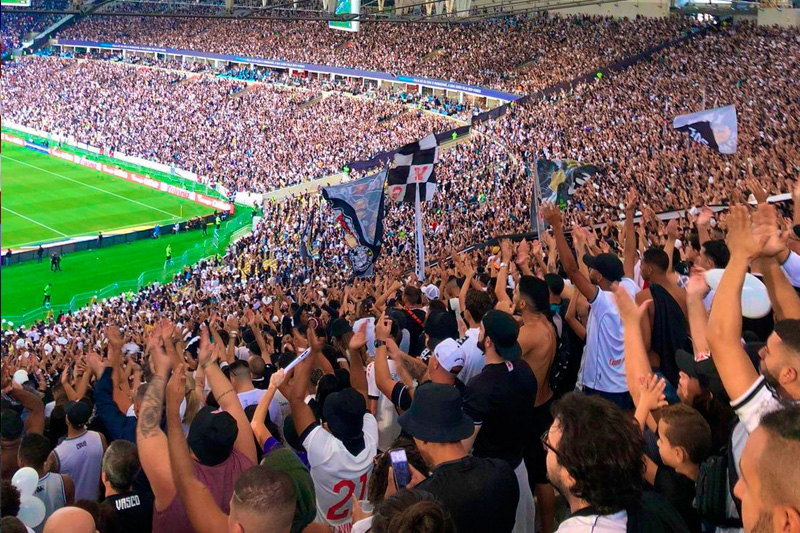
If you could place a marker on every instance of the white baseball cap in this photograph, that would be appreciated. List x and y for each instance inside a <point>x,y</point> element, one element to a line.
<point>431,291</point>
<point>449,354</point>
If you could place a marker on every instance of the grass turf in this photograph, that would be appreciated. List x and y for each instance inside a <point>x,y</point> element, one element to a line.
<point>91,270</point>
<point>48,199</point>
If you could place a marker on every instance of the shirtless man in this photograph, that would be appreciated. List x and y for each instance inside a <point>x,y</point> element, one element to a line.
<point>664,324</point>
<point>537,338</point>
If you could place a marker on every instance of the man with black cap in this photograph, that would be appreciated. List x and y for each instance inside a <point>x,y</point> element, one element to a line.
<point>341,451</point>
<point>603,366</point>
<point>221,441</point>
<point>500,400</point>
<point>80,454</point>
<point>480,494</point>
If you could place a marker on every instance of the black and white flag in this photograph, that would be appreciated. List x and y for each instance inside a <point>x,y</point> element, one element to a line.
<point>715,128</point>
<point>359,209</point>
<point>414,170</point>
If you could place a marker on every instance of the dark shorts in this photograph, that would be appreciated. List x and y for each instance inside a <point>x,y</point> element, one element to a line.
<point>535,454</point>
<point>622,399</point>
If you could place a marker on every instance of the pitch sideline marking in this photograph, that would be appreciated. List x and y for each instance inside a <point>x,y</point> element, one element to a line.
<point>4,208</point>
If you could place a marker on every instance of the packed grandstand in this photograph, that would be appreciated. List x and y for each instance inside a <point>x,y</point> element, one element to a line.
<point>464,354</point>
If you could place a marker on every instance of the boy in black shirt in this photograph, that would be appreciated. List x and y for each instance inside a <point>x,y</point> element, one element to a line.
<point>132,511</point>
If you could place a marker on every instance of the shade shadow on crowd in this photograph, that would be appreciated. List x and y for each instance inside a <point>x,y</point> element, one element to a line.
<point>608,375</point>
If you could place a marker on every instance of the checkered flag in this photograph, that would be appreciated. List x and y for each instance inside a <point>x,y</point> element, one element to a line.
<point>414,168</point>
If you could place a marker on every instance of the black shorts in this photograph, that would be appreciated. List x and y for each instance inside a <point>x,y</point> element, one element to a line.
<point>535,454</point>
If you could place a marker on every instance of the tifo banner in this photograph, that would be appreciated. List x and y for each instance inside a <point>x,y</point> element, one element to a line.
<point>555,181</point>
<point>359,208</point>
<point>346,7</point>
<point>715,128</point>
<point>208,201</point>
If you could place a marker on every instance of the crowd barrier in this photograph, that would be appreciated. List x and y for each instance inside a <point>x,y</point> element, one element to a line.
<point>126,175</point>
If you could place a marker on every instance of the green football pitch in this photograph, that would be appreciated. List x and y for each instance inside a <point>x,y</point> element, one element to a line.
<point>47,199</point>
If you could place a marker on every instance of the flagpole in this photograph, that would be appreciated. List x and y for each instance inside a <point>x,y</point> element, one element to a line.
<point>536,200</point>
<point>420,240</point>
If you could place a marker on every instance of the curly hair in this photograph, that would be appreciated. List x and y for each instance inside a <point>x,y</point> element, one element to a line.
<point>601,448</point>
<point>380,474</point>
<point>9,499</point>
<point>412,511</point>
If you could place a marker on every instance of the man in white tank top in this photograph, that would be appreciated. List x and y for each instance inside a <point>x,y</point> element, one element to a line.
<point>55,490</point>
<point>80,454</point>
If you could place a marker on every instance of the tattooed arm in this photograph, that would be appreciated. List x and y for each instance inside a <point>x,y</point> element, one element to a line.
<point>151,441</point>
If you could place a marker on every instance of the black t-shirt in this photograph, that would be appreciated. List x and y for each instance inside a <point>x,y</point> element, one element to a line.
<point>401,396</point>
<point>680,491</point>
<point>415,330</point>
<point>133,511</point>
<point>480,494</point>
<point>500,399</point>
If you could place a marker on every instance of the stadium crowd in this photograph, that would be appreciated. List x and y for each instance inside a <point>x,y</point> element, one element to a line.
<point>255,139</point>
<point>518,54</point>
<point>687,412</point>
<point>15,26</point>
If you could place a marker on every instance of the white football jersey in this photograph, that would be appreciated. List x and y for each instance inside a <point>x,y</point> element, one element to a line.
<point>337,474</point>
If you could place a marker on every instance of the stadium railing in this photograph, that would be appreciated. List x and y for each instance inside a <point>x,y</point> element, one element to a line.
<point>233,229</point>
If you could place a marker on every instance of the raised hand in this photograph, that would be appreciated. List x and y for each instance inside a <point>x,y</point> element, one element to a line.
<point>651,392</point>
<point>176,388</point>
<point>672,230</point>
<point>697,287</point>
<point>629,312</point>
<point>740,240</point>
<point>551,214</point>
<point>114,337</point>
<point>523,252</point>
<point>766,225</point>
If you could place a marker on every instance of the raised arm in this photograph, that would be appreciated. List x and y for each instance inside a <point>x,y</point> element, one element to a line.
<point>629,254</point>
<point>581,282</point>
<point>784,298</point>
<point>150,440</point>
<point>725,322</point>
<point>203,512</point>
<point>259,417</point>
<point>696,290</point>
<point>637,364</point>
<point>34,423</point>
<point>226,397</point>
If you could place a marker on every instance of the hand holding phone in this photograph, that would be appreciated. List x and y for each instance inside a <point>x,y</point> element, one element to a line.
<point>402,474</point>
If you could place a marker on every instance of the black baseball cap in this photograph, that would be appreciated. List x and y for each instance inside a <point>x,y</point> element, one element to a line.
<point>441,325</point>
<point>609,266</point>
<point>212,435</point>
<point>504,332</point>
<point>436,415</point>
<point>340,326</point>
<point>703,370</point>
<point>344,413</point>
<point>78,413</point>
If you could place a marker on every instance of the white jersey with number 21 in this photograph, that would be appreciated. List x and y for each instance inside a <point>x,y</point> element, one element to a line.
<point>337,474</point>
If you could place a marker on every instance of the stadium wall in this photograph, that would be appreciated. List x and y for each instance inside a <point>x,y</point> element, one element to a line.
<point>786,17</point>
<point>133,177</point>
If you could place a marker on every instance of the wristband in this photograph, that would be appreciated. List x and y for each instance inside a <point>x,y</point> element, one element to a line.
<point>379,343</point>
<point>223,395</point>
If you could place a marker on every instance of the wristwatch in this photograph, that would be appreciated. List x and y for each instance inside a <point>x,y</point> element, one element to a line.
<point>379,343</point>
